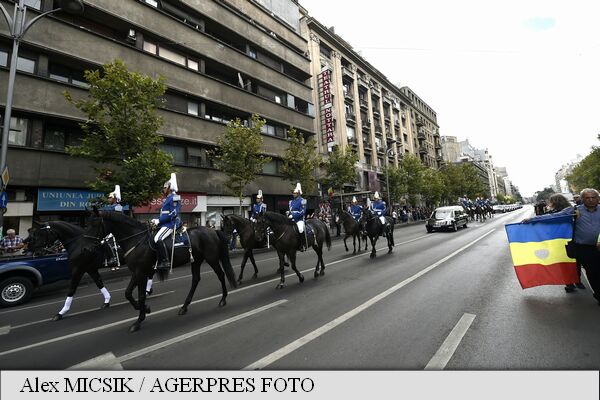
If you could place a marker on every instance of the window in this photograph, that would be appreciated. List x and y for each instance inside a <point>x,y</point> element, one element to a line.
<point>25,64</point>
<point>171,55</point>
<point>192,65</point>
<point>178,152</point>
<point>153,3</point>
<point>252,52</point>
<point>268,130</point>
<point>37,4</point>
<point>270,167</point>
<point>150,47</point>
<point>350,134</point>
<point>3,58</point>
<point>17,135</point>
<point>54,139</point>
<point>192,108</point>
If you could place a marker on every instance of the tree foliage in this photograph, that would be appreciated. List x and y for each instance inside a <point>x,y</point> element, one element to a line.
<point>544,194</point>
<point>412,170</point>
<point>432,188</point>
<point>587,173</point>
<point>397,182</point>
<point>300,161</point>
<point>121,132</point>
<point>340,168</point>
<point>239,154</point>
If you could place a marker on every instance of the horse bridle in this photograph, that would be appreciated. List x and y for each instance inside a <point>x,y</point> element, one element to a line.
<point>122,240</point>
<point>65,244</point>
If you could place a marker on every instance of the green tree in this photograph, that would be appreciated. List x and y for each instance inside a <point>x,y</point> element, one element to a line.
<point>238,155</point>
<point>412,170</point>
<point>432,186</point>
<point>340,169</point>
<point>397,182</point>
<point>121,132</point>
<point>473,184</point>
<point>300,161</point>
<point>587,173</point>
<point>544,194</point>
<point>501,198</point>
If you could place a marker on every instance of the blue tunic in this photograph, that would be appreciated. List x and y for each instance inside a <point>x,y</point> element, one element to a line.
<point>356,211</point>
<point>297,208</point>
<point>257,209</point>
<point>378,206</point>
<point>169,212</point>
<point>114,207</point>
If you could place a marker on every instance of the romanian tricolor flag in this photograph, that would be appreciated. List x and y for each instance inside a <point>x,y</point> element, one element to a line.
<point>538,252</point>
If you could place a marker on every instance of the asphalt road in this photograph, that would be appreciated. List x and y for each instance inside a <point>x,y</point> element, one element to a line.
<point>446,300</point>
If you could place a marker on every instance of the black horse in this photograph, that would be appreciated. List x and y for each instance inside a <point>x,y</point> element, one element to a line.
<point>376,228</point>
<point>135,238</point>
<point>285,240</point>
<point>73,239</point>
<point>352,228</point>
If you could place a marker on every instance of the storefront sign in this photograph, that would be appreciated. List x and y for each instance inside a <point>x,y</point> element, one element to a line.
<point>190,203</point>
<point>65,199</point>
<point>324,79</point>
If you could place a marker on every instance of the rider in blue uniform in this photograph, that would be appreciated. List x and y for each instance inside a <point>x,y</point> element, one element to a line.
<point>379,208</point>
<point>296,213</point>
<point>168,221</point>
<point>355,210</point>
<point>259,207</point>
<point>111,249</point>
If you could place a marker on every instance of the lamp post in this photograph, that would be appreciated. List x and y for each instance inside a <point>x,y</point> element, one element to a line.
<point>18,27</point>
<point>388,151</point>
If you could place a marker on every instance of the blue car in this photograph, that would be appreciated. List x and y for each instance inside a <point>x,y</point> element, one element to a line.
<point>21,275</point>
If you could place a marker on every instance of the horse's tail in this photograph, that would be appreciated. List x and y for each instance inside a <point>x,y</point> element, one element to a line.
<point>327,237</point>
<point>225,262</point>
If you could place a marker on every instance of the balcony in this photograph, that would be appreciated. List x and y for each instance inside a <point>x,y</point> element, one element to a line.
<point>363,104</point>
<point>348,95</point>
<point>378,129</point>
<point>375,91</point>
<point>420,121</point>
<point>379,150</point>
<point>366,123</point>
<point>397,124</point>
<point>403,114</point>
<point>363,82</point>
<point>376,113</point>
<point>422,149</point>
<point>436,132</point>
<point>438,145</point>
<point>367,145</point>
<point>347,72</point>
<point>386,117</point>
<point>351,118</point>
<point>421,135</point>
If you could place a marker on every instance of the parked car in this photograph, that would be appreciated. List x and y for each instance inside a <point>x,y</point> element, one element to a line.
<point>450,217</point>
<point>21,275</point>
<point>499,208</point>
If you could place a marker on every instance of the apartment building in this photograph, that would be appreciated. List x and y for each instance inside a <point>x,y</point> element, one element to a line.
<point>357,105</point>
<point>222,59</point>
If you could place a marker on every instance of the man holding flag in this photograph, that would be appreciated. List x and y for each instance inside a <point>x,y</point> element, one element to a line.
<point>538,248</point>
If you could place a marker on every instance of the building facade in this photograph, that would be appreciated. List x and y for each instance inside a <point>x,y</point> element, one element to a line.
<point>221,60</point>
<point>356,105</point>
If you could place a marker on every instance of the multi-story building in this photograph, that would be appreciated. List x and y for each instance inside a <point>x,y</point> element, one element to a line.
<point>222,59</point>
<point>450,149</point>
<point>357,105</point>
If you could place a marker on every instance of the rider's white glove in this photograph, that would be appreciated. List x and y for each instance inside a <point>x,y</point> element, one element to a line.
<point>154,221</point>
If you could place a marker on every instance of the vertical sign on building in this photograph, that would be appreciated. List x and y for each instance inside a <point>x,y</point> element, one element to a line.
<point>324,79</point>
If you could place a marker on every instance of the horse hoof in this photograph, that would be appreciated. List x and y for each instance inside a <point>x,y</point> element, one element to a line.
<point>301,278</point>
<point>255,276</point>
<point>182,311</point>
<point>280,286</point>
<point>389,251</point>
<point>372,255</point>
<point>134,328</point>
<point>149,292</point>
<point>148,311</point>
<point>57,317</point>
<point>322,272</point>
<point>105,305</point>
<point>222,303</point>
<point>316,274</point>
<point>280,270</point>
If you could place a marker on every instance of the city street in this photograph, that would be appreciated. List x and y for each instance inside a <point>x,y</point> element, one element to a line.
<point>445,300</point>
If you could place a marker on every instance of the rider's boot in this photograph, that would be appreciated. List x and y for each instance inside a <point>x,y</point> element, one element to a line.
<point>301,239</point>
<point>163,257</point>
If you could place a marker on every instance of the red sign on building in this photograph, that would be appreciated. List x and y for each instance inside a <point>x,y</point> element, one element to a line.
<point>326,106</point>
<point>189,201</point>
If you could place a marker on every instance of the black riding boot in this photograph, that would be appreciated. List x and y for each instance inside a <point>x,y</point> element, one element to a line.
<point>301,239</point>
<point>163,256</point>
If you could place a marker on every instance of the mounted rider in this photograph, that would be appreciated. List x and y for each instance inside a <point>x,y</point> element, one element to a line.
<point>355,210</point>
<point>111,249</point>
<point>379,208</point>
<point>297,211</point>
<point>168,220</point>
<point>259,207</point>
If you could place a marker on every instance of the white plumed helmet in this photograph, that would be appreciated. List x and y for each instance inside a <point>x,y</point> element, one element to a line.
<point>376,196</point>
<point>259,195</point>
<point>116,193</point>
<point>298,188</point>
<point>354,199</point>
<point>172,183</point>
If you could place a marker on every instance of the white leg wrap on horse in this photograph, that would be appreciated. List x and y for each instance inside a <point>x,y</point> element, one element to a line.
<point>148,285</point>
<point>105,294</point>
<point>67,306</point>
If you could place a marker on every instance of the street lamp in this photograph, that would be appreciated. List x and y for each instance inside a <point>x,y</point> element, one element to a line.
<point>388,151</point>
<point>18,27</point>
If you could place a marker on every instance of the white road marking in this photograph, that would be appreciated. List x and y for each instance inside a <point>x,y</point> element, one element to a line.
<point>276,355</point>
<point>109,361</point>
<point>4,330</point>
<point>447,349</point>
<point>87,311</point>
<point>110,325</point>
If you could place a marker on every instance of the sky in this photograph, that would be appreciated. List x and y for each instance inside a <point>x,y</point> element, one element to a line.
<point>518,77</point>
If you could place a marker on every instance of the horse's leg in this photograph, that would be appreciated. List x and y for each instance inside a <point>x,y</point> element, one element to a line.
<point>281,256</point>
<point>292,256</point>
<point>98,280</point>
<point>243,266</point>
<point>251,255</point>
<point>195,279</point>
<point>373,242</point>
<point>75,279</point>
<point>144,309</point>
<point>319,250</point>
<point>221,275</point>
<point>129,292</point>
<point>345,245</point>
<point>149,283</point>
